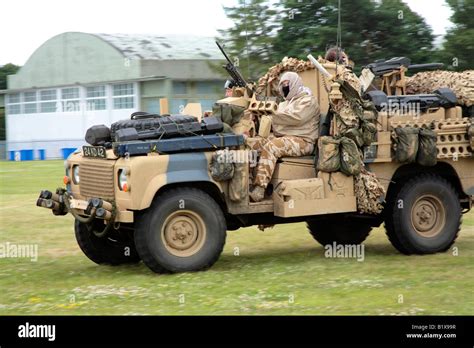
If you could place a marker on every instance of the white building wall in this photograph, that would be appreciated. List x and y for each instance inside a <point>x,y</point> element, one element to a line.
<point>62,129</point>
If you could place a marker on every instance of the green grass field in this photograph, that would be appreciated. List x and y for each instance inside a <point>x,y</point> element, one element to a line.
<point>280,271</point>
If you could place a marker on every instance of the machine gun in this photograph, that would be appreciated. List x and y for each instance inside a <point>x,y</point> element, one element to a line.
<point>234,71</point>
<point>392,73</point>
<point>382,67</point>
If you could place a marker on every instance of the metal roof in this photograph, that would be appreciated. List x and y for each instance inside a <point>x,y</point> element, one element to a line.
<point>169,47</point>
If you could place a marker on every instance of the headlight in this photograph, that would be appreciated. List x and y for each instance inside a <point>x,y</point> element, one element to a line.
<point>122,180</point>
<point>75,174</point>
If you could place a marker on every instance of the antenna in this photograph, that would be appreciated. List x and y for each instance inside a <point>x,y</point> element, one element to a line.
<point>339,35</point>
<point>247,39</point>
<point>339,31</point>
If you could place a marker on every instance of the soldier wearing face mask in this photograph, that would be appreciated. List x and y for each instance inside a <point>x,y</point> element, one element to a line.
<point>295,131</point>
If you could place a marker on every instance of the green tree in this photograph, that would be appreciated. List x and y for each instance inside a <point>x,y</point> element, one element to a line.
<point>249,42</point>
<point>370,30</point>
<point>458,46</point>
<point>7,69</point>
<point>401,32</point>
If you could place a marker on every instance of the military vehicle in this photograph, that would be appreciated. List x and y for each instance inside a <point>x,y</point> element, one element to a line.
<point>145,192</point>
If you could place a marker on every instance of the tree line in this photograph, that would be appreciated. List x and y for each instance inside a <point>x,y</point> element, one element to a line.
<point>265,31</point>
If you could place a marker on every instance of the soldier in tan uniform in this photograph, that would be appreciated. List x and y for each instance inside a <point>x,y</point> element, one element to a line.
<point>295,131</point>
<point>348,119</point>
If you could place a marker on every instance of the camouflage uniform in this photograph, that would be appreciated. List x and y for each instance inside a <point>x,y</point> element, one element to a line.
<point>271,149</point>
<point>295,129</point>
<point>348,118</point>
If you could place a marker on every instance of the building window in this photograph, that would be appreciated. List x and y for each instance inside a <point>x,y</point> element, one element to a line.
<point>177,105</point>
<point>13,104</point>
<point>123,96</point>
<point>152,106</point>
<point>206,104</point>
<point>70,99</point>
<point>48,101</point>
<point>30,106</point>
<point>14,98</point>
<point>95,92</point>
<point>14,109</point>
<point>49,94</point>
<point>48,107</point>
<point>123,89</point>
<point>70,93</point>
<point>123,103</point>
<point>96,104</point>
<point>96,98</point>
<point>211,87</point>
<point>30,97</point>
<point>180,88</point>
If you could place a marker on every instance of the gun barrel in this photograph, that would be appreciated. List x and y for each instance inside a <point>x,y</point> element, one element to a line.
<point>232,69</point>
<point>319,66</point>
<point>223,52</point>
<point>427,66</point>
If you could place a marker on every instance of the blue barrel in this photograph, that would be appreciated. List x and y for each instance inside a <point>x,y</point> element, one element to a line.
<point>67,151</point>
<point>11,155</point>
<point>26,155</point>
<point>41,154</point>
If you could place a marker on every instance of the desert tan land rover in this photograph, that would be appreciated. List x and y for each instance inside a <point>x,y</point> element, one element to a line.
<point>156,200</point>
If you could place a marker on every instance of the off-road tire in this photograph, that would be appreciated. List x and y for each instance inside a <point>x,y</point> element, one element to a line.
<point>186,215</point>
<point>341,231</point>
<point>117,248</point>
<point>438,203</point>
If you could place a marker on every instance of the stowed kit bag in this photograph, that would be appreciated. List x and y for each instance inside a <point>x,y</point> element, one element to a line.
<point>351,161</point>
<point>427,152</point>
<point>369,132</point>
<point>329,154</point>
<point>238,186</point>
<point>231,165</point>
<point>228,113</point>
<point>356,135</point>
<point>370,194</point>
<point>220,167</point>
<point>407,144</point>
<point>471,135</point>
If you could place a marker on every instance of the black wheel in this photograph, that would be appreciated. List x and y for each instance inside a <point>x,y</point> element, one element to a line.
<point>117,248</point>
<point>184,230</point>
<point>338,230</point>
<point>423,216</point>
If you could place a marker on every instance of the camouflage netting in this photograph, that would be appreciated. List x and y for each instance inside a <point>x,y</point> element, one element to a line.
<point>369,193</point>
<point>272,77</point>
<point>462,83</point>
<point>220,167</point>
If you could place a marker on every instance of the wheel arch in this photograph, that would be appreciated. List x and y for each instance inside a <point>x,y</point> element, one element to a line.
<point>442,169</point>
<point>208,187</point>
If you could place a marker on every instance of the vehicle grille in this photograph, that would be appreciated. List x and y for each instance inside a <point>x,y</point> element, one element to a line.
<point>97,178</point>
